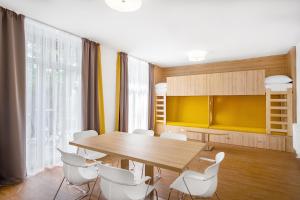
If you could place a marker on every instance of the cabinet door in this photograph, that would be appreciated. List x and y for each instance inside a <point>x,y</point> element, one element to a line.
<point>261,141</point>
<point>276,142</point>
<point>248,140</point>
<point>178,86</point>
<point>255,82</point>
<point>238,83</point>
<point>198,85</point>
<point>219,138</point>
<point>215,84</point>
<point>235,139</point>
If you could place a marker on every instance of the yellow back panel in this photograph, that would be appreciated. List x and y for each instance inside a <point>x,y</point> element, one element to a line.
<point>189,109</point>
<point>244,111</point>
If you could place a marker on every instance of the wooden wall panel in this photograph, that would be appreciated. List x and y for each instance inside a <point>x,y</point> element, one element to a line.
<point>273,65</point>
<point>291,68</point>
<point>227,83</point>
<point>158,75</point>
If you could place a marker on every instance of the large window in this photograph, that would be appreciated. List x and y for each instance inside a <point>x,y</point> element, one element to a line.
<point>53,93</point>
<point>138,94</point>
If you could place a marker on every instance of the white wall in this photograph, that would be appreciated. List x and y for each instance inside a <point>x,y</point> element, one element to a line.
<point>109,58</point>
<point>296,128</point>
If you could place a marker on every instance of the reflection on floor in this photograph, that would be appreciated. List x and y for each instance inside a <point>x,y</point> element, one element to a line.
<point>246,173</point>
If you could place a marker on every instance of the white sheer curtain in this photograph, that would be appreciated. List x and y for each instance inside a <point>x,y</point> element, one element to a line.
<point>53,93</point>
<point>138,92</point>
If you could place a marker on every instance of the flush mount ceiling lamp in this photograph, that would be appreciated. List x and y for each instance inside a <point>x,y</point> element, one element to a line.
<point>197,55</point>
<point>124,5</point>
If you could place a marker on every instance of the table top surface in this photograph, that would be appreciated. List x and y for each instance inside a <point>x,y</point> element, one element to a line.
<point>165,153</point>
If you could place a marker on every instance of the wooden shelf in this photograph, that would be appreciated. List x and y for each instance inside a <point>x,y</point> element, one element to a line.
<point>279,115</point>
<point>278,100</point>
<point>278,130</point>
<point>278,108</point>
<point>279,122</point>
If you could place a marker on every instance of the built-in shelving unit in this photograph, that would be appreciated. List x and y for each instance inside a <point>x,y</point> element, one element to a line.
<point>160,109</point>
<point>279,112</point>
<point>233,107</point>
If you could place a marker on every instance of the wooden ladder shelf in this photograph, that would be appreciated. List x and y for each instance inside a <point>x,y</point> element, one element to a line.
<point>279,112</point>
<point>160,109</point>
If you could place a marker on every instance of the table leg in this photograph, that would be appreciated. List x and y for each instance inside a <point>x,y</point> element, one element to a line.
<point>149,171</point>
<point>125,164</point>
<point>208,148</point>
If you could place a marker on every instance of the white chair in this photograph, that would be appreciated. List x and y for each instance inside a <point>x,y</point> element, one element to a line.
<point>146,133</point>
<point>119,184</point>
<point>174,136</point>
<point>197,184</point>
<point>88,154</point>
<point>77,172</point>
<point>143,132</point>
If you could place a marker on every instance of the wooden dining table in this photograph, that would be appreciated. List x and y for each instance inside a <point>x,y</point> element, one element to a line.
<point>152,151</point>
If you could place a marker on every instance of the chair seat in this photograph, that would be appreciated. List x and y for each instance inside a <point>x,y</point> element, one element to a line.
<point>93,155</point>
<point>139,192</point>
<point>89,173</point>
<point>179,185</point>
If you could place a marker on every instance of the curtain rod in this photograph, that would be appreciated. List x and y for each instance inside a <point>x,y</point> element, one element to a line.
<point>80,36</point>
<point>77,35</point>
<point>56,28</point>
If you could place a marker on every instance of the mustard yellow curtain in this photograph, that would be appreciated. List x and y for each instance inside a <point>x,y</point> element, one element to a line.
<point>100,93</point>
<point>118,82</point>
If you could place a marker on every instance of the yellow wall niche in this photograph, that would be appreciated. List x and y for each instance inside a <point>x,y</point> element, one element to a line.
<point>188,111</point>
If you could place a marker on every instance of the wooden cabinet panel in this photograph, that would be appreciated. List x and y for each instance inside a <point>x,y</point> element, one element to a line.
<point>255,82</point>
<point>228,83</point>
<point>178,86</point>
<point>215,84</point>
<point>238,83</point>
<point>289,144</point>
<point>276,142</point>
<point>272,142</point>
<point>235,138</point>
<point>199,85</point>
<point>261,141</point>
<point>248,140</point>
<point>219,138</point>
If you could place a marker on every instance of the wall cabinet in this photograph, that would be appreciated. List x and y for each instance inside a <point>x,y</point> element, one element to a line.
<point>263,141</point>
<point>228,83</point>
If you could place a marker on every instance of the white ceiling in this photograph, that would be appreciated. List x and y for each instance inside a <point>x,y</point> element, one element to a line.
<point>163,31</point>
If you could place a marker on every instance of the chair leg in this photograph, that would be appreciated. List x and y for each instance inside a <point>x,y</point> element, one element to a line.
<point>86,193</point>
<point>171,190</point>
<point>99,195</point>
<point>142,170</point>
<point>217,196</point>
<point>156,194</point>
<point>93,187</point>
<point>58,188</point>
<point>159,172</point>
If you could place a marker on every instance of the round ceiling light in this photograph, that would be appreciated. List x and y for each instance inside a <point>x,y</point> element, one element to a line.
<point>124,5</point>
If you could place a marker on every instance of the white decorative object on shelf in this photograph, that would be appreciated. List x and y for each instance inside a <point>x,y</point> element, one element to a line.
<point>278,79</point>
<point>161,89</point>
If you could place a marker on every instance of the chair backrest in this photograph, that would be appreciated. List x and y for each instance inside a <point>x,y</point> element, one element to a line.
<point>71,165</point>
<point>213,170</point>
<point>111,182</point>
<point>84,134</point>
<point>144,132</point>
<point>174,136</point>
<point>208,187</point>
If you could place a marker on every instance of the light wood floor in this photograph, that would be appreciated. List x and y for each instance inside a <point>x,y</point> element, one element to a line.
<point>246,173</point>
